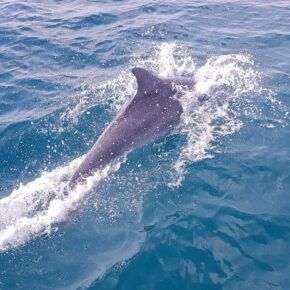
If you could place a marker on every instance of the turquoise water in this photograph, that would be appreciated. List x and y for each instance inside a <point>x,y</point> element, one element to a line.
<point>204,207</point>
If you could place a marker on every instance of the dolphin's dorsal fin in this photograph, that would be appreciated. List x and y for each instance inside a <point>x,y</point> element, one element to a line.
<point>145,79</point>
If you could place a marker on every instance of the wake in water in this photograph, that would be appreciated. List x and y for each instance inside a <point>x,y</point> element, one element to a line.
<point>233,94</point>
<point>36,207</point>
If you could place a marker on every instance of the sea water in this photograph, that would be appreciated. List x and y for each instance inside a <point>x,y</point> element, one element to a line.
<point>204,207</point>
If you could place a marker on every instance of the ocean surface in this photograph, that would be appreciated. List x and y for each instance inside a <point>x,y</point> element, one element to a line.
<point>205,207</point>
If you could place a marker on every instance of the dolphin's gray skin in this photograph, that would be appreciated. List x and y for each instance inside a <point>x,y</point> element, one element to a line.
<point>153,111</point>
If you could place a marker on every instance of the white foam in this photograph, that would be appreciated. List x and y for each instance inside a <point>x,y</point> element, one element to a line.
<point>34,208</point>
<point>221,80</point>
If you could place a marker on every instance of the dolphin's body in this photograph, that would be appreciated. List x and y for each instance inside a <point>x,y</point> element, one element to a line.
<point>153,111</point>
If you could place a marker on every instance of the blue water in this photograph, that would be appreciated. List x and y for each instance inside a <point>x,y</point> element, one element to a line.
<point>204,207</point>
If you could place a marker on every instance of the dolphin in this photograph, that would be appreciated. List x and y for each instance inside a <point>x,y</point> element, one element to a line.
<point>153,111</point>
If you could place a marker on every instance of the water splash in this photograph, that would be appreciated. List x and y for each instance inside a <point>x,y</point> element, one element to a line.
<point>228,92</point>
<point>35,208</point>
<point>212,110</point>
<point>165,60</point>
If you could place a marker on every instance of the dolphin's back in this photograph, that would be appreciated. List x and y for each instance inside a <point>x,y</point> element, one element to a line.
<point>153,111</point>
